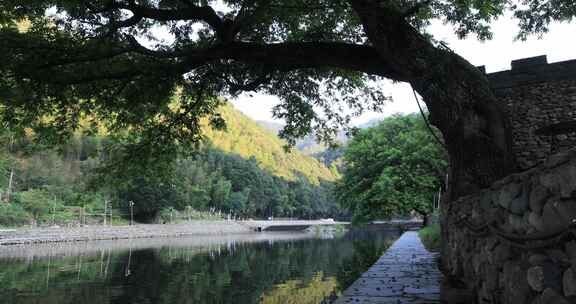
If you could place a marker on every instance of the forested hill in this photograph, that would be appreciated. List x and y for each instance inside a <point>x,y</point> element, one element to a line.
<point>247,138</point>
<point>307,145</point>
<point>330,157</point>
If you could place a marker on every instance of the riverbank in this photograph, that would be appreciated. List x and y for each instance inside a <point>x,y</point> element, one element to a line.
<point>90,233</point>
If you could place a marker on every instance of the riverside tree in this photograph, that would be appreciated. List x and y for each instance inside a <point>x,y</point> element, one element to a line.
<point>119,61</point>
<point>394,168</point>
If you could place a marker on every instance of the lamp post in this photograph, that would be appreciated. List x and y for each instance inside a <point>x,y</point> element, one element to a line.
<point>131,213</point>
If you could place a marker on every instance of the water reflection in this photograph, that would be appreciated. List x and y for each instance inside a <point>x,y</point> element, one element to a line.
<point>262,268</point>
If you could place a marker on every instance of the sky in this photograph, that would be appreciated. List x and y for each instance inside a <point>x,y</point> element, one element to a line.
<point>496,55</point>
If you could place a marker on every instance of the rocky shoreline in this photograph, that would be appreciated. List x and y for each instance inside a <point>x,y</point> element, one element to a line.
<point>90,233</point>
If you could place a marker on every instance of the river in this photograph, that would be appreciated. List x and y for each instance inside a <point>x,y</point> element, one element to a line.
<point>267,268</point>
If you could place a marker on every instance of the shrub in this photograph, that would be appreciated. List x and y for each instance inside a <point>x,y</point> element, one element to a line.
<point>168,215</point>
<point>430,236</point>
<point>39,203</point>
<point>13,215</point>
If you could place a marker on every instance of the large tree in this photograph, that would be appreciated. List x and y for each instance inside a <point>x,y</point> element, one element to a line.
<point>107,60</point>
<point>393,168</point>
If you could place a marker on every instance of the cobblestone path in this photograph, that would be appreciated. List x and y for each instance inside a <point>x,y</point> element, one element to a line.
<point>406,273</point>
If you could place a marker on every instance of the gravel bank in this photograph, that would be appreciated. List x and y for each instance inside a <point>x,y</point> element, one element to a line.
<point>49,235</point>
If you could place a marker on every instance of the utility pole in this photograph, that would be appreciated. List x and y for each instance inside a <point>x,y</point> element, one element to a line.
<point>9,191</point>
<point>105,211</point>
<point>81,216</point>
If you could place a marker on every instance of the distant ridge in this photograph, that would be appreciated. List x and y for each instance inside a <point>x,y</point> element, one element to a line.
<point>308,144</point>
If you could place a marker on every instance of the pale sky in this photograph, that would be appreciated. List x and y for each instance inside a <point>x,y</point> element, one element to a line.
<point>559,45</point>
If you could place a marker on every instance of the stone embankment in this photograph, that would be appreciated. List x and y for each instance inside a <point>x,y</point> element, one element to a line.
<point>515,243</point>
<point>406,273</point>
<point>48,235</point>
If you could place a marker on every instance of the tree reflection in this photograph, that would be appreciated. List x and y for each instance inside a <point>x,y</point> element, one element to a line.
<point>303,271</point>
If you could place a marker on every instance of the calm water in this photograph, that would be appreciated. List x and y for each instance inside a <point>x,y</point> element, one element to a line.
<point>269,268</point>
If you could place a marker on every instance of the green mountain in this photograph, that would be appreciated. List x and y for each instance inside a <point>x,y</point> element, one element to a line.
<point>248,139</point>
<point>243,171</point>
<point>306,145</point>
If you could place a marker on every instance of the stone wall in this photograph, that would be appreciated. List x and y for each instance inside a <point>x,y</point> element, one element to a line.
<point>537,94</point>
<point>515,243</point>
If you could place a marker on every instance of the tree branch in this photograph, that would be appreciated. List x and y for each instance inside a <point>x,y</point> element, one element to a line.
<point>140,49</point>
<point>244,18</point>
<point>274,57</point>
<point>191,12</point>
<point>292,56</point>
<point>308,55</point>
<point>250,86</point>
<point>285,56</point>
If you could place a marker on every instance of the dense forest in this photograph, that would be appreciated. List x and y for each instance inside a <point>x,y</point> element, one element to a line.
<point>243,172</point>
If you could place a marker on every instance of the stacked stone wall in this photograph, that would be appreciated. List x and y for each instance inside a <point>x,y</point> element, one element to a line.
<point>537,94</point>
<point>515,243</point>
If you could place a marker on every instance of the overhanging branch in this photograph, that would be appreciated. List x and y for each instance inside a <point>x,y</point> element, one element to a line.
<point>290,55</point>
<point>190,12</point>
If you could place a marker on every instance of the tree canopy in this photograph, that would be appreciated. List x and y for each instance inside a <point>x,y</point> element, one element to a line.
<point>394,168</point>
<point>118,62</point>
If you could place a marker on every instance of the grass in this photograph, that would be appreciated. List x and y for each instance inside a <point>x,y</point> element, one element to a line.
<point>430,236</point>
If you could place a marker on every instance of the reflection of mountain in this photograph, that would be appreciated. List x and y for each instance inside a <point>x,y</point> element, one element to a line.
<point>295,291</point>
<point>232,272</point>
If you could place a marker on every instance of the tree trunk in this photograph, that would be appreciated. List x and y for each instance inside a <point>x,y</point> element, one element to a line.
<point>458,96</point>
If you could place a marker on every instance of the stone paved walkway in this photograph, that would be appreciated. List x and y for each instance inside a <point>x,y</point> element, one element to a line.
<point>406,273</point>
